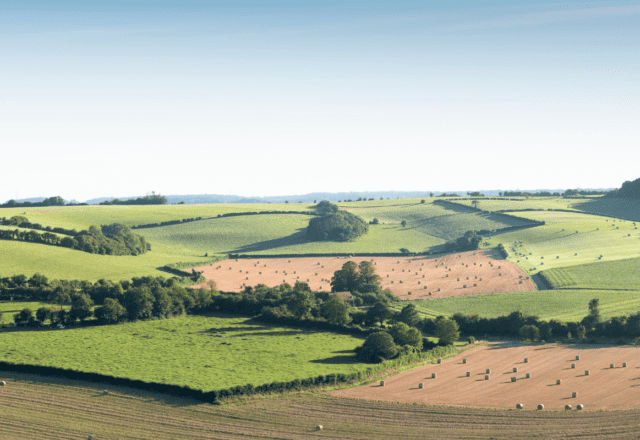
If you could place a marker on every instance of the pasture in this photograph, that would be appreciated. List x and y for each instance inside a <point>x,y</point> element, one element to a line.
<point>48,408</point>
<point>620,275</point>
<point>206,353</point>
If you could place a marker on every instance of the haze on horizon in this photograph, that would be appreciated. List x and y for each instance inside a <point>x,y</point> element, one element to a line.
<point>277,97</point>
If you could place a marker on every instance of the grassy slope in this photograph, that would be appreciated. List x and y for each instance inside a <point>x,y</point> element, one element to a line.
<point>202,352</point>
<point>621,274</point>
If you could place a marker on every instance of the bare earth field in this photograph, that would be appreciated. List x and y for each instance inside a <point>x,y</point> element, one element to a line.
<point>604,388</point>
<point>423,277</point>
<point>46,408</point>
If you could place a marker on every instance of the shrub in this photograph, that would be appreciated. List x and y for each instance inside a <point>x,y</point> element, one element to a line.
<point>472,340</point>
<point>377,347</point>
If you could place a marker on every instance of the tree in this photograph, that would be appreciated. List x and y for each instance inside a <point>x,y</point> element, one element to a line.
<point>345,279</point>
<point>212,285</point>
<point>81,307</point>
<point>423,201</point>
<point>475,204</point>
<point>335,311</point>
<point>326,207</point>
<point>404,223</point>
<point>139,303</point>
<point>405,335</point>
<point>162,303</point>
<point>300,302</point>
<point>375,221</point>
<point>367,280</point>
<point>377,347</point>
<point>430,194</point>
<point>529,332</point>
<point>409,315</point>
<point>111,312</point>
<point>448,331</point>
<point>23,317</point>
<point>593,318</point>
<point>378,313</point>
<point>582,332</point>
<point>42,314</point>
<point>59,296</point>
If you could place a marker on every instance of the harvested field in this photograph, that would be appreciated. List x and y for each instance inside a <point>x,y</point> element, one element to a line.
<point>35,407</point>
<point>421,274</point>
<point>604,388</point>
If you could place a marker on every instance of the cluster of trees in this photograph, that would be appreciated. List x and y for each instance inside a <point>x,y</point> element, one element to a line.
<point>628,190</point>
<point>335,226</point>
<point>475,194</point>
<point>167,223</point>
<point>114,239</point>
<point>468,242</point>
<point>447,195</point>
<point>51,201</point>
<point>155,199</point>
<point>567,193</point>
<point>23,222</point>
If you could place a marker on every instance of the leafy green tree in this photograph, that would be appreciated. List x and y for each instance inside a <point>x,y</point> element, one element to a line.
<point>139,303</point>
<point>405,335</point>
<point>345,279</point>
<point>23,316</point>
<point>301,302</point>
<point>162,303</point>
<point>375,221</point>
<point>529,332</point>
<point>582,332</point>
<point>593,318</point>
<point>378,313</point>
<point>367,280</point>
<point>59,296</point>
<point>81,307</point>
<point>42,314</point>
<point>111,312</point>
<point>409,315</point>
<point>448,331</point>
<point>377,347</point>
<point>423,201</point>
<point>404,223</point>
<point>38,280</point>
<point>335,311</point>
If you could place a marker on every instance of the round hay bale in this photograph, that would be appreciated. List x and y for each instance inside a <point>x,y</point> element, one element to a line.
<point>579,407</point>
<point>420,385</point>
<point>526,360</point>
<point>577,358</point>
<point>611,366</point>
<point>624,365</point>
<point>541,406</point>
<point>433,375</point>
<point>558,382</point>
<point>513,378</point>
<point>105,392</point>
<point>468,373</point>
<point>574,394</point>
<point>586,373</point>
<point>382,383</point>
<point>486,377</point>
<point>464,361</point>
<point>519,406</point>
<point>2,383</point>
<point>573,365</point>
<point>515,369</point>
<point>528,375</point>
<point>319,428</point>
<point>568,407</point>
<point>488,370</point>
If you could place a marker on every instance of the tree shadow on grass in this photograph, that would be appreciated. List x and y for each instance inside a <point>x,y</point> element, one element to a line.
<point>337,360</point>
<point>297,238</point>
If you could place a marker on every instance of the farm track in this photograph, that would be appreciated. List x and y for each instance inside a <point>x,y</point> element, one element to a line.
<point>36,407</point>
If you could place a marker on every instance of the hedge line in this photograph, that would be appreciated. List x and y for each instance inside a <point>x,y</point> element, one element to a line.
<point>368,254</point>
<point>215,395</point>
<point>229,214</point>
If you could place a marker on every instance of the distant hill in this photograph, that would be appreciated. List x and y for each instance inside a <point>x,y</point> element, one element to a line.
<point>628,190</point>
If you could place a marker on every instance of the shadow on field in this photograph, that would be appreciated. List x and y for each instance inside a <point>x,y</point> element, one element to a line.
<point>258,331</point>
<point>614,207</point>
<point>342,359</point>
<point>291,240</point>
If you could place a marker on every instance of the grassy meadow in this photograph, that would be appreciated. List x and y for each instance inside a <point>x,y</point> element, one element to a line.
<point>206,353</point>
<point>619,275</point>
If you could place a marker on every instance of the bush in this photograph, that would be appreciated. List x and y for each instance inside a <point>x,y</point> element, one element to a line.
<point>377,347</point>
<point>529,332</point>
<point>448,331</point>
<point>472,340</point>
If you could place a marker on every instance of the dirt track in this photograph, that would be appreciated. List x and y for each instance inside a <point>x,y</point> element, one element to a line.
<point>442,276</point>
<point>603,388</point>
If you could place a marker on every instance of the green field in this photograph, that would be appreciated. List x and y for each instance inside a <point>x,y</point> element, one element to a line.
<point>204,353</point>
<point>563,305</point>
<point>8,309</point>
<point>621,274</point>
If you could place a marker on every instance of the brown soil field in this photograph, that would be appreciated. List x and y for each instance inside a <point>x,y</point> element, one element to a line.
<point>46,408</point>
<point>604,388</point>
<point>422,277</point>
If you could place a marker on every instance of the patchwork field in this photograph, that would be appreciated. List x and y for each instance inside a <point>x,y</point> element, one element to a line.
<point>603,388</point>
<point>47,408</point>
<point>407,278</point>
<point>620,274</point>
<point>206,353</point>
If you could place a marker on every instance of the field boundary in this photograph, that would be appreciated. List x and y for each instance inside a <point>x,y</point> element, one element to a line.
<point>228,214</point>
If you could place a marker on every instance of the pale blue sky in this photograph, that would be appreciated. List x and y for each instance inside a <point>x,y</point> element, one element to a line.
<point>124,98</point>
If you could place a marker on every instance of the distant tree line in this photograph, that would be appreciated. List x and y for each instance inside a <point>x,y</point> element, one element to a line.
<point>628,190</point>
<point>470,241</point>
<point>566,193</point>
<point>155,199</point>
<point>448,195</point>
<point>334,225</point>
<point>114,239</point>
<point>51,201</point>
<point>23,222</point>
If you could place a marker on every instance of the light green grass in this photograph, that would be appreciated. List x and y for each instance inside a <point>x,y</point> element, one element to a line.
<point>563,305</point>
<point>621,274</point>
<point>539,203</point>
<point>204,353</point>
<point>10,308</point>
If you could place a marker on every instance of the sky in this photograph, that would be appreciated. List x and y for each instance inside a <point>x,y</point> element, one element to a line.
<point>265,98</point>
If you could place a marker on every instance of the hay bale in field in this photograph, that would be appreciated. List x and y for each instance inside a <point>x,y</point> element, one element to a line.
<point>515,369</point>
<point>624,365</point>
<point>464,361</point>
<point>319,428</point>
<point>468,373</point>
<point>105,392</point>
<point>382,383</point>
<point>486,377</point>
<point>611,366</point>
<point>574,394</point>
<point>421,385</point>
<point>520,282</point>
<point>519,406</point>
<point>528,376</point>
<point>573,365</point>
<point>433,375</point>
<point>438,289</point>
<point>439,361</point>
<point>513,378</point>
<point>579,407</point>
<point>541,406</point>
<point>2,383</point>
<point>488,370</point>
<point>567,407</point>
<point>586,373</point>
<point>558,382</point>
